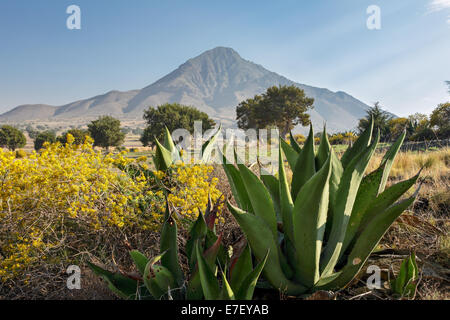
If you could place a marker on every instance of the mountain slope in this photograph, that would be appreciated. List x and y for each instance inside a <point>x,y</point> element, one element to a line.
<point>29,111</point>
<point>214,82</point>
<point>111,103</point>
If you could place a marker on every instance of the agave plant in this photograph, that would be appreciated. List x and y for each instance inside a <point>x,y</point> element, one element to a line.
<point>167,153</point>
<point>405,284</point>
<point>321,228</point>
<point>242,283</point>
<point>162,278</point>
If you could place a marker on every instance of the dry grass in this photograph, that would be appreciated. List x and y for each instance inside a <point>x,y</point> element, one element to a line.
<point>434,197</point>
<point>108,248</point>
<point>436,164</point>
<point>424,228</point>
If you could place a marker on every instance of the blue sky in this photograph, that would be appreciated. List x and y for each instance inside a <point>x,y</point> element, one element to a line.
<point>125,45</point>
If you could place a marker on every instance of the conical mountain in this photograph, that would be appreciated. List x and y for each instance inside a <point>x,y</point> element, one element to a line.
<point>214,82</point>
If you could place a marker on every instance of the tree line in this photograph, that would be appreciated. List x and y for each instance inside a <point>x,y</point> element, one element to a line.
<point>282,107</point>
<point>285,107</point>
<point>105,131</point>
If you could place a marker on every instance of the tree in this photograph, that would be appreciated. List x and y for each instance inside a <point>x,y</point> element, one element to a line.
<point>126,130</point>
<point>11,138</point>
<point>247,114</point>
<point>440,118</point>
<point>31,131</point>
<point>396,126</point>
<point>283,107</point>
<point>418,119</point>
<point>137,131</point>
<point>448,84</point>
<point>173,116</point>
<point>106,132</point>
<point>42,137</point>
<point>423,134</point>
<point>380,119</point>
<point>78,134</point>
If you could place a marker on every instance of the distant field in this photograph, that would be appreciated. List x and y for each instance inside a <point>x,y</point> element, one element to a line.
<point>131,141</point>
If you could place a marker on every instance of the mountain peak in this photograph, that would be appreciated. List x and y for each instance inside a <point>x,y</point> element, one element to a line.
<point>218,56</point>
<point>221,51</point>
<point>215,82</point>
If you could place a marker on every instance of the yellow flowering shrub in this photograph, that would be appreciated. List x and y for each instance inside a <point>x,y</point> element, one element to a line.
<point>191,188</point>
<point>188,188</point>
<point>66,195</point>
<point>70,187</point>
